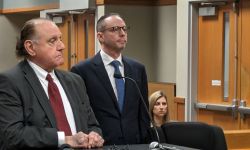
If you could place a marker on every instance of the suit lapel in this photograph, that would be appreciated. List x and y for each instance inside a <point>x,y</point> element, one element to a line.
<point>127,68</point>
<point>129,86</point>
<point>101,73</point>
<point>67,86</point>
<point>39,91</point>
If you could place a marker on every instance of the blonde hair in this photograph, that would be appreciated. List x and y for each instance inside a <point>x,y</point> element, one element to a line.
<point>152,100</point>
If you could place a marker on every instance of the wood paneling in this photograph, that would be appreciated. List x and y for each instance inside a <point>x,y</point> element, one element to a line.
<point>180,108</point>
<point>35,8</point>
<point>165,2</point>
<point>85,36</point>
<point>237,139</point>
<point>79,38</point>
<point>64,28</point>
<point>169,90</point>
<point>211,66</point>
<point>136,2</point>
<point>244,55</point>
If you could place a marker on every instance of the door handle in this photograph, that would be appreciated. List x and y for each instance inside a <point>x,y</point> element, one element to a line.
<point>243,110</point>
<point>220,107</point>
<point>217,107</point>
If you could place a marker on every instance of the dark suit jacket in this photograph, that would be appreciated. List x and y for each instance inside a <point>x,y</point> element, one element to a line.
<point>130,126</point>
<point>27,120</point>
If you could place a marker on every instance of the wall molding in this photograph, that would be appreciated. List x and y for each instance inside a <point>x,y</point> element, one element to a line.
<point>137,2</point>
<point>30,9</point>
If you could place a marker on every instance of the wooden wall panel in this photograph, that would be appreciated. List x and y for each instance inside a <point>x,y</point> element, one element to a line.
<point>64,28</point>
<point>237,139</point>
<point>79,38</point>
<point>180,108</point>
<point>210,63</point>
<point>165,2</point>
<point>244,67</point>
<point>88,20</point>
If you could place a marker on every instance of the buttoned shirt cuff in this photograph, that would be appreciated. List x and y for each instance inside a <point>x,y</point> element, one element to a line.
<point>61,138</point>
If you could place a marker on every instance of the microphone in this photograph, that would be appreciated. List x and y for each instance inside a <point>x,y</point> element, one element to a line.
<point>119,76</point>
<point>156,145</point>
<point>65,147</point>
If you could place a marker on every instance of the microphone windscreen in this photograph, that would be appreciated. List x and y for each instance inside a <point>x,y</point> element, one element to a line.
<point>153,145</point>
<point>65,147</point>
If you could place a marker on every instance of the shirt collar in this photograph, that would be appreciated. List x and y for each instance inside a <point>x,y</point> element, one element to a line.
<point>40,72</point>
<point>108,59</point>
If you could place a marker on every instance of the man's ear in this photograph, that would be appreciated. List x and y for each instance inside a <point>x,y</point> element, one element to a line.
<point>29,46</point>
<point>100,37</point>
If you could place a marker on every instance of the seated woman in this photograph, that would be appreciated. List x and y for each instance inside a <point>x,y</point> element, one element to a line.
<point>158,108</point>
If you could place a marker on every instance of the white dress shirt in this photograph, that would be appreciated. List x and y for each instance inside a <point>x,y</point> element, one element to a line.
<point>110,69</point>
<point>41,74</point>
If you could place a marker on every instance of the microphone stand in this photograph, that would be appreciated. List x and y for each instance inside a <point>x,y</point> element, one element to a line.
<point>118,76</point>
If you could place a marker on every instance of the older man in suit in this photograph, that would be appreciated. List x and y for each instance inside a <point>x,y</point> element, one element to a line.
<point>42,107</point>
<point>116,102</point>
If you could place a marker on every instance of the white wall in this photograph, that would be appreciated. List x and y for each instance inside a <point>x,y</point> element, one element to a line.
<point>151,39</point>
<point>182,48</point>
<point>1,4</point>
<point>73,4</point>
<point>140,35</point>
<point>165,43</point>
<point>7,43</point>
<point>9,28</point>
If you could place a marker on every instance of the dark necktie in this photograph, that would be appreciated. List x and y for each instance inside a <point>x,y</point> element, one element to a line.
<point>120,87</point>
<point>57,106</point>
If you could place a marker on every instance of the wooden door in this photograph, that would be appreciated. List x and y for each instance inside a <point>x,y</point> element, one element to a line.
<point>244,65</point>
<point>78,31</point>
<point>224,66</point>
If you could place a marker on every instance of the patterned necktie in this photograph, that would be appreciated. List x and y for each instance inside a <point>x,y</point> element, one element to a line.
<point>120,87</point>
<point>57,106</point>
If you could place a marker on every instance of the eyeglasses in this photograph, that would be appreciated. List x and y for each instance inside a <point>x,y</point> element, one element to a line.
<point>117,29</point>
